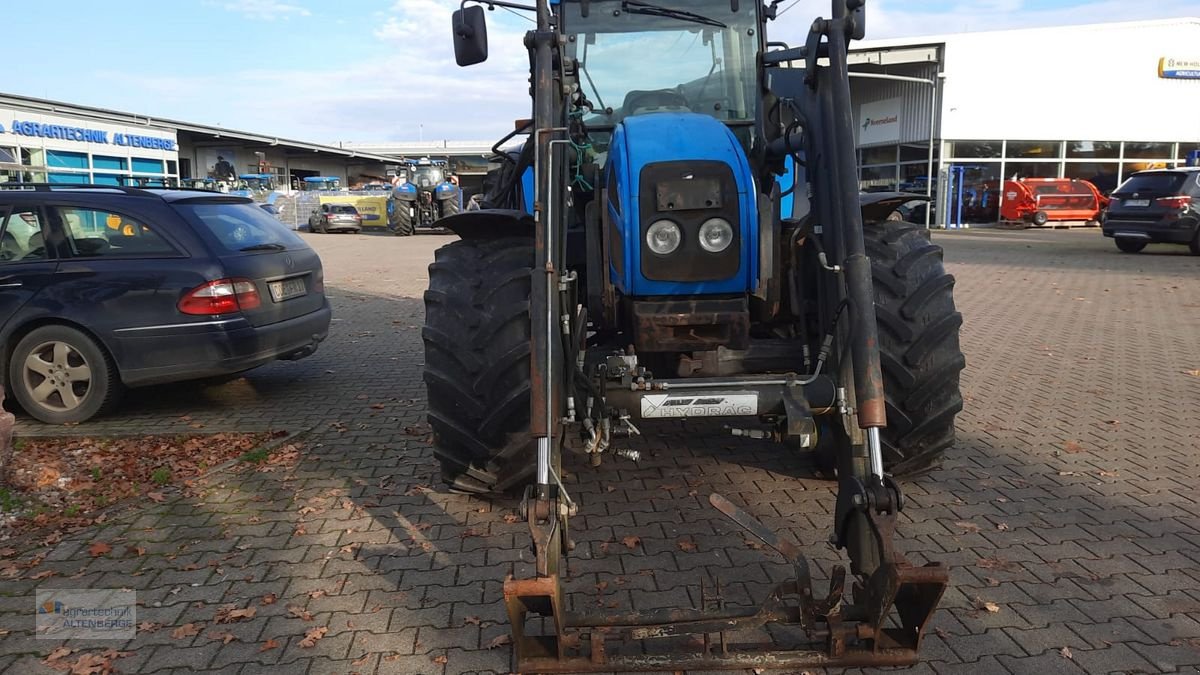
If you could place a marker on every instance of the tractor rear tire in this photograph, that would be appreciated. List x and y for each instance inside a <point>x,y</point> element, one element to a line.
<point>477,347</point>
<point>918,344</point>
<point>404,225</point>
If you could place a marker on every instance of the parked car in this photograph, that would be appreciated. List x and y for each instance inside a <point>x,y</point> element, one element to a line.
<point>1156,206</point>
<point>335,218</point>
<point>103,288</point>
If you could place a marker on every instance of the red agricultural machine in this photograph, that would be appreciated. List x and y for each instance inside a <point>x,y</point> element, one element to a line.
<point>1041,200</point>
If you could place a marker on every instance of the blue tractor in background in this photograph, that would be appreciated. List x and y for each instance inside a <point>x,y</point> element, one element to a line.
<point>682,236</point>
<point>424,195</point>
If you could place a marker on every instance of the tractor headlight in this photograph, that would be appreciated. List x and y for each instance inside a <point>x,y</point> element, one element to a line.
<point>663,237</point>
<point>716,234</point>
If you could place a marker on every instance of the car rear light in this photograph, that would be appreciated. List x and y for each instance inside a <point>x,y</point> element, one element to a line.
<point>330,217</point>
<point>1176,202</point>
<point>318,281</point>
<point>223,296</point>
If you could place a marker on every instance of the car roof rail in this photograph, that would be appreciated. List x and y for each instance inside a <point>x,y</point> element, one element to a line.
<point>150,191</point>
<point>70,187</point>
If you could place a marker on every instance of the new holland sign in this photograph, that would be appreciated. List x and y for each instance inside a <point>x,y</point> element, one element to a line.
<point>879,122</point>
<point>1179,69</point>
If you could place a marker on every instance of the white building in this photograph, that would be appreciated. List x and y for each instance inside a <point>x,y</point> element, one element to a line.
<point>1095,102</point>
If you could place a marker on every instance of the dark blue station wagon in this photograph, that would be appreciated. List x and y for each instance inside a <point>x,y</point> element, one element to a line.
<point>103,288</point>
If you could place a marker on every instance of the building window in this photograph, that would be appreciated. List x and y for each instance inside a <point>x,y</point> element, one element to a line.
<point>1093,149</point>
<point>1187,148</point>
<point>916,153</point>
<point>878,177</point>
<point>1101,174</point>
<point>8,156</point>
<point>66,160</point>
<point>109,163</point>
<point>172,167</point>
<point>1031,169</point>
<point>106,179</point>
<point>881,155</point>
<point>1148,150</point>
<point>975,149</point>
<point>62,177</point>
<point>1035,149</point>
<point>143,165</point>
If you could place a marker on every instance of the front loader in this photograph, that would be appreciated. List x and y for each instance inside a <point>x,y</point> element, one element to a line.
<point>682,236</point>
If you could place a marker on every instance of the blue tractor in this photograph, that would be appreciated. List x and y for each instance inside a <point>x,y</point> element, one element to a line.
<point>424,195</point>
<point>682,236</point>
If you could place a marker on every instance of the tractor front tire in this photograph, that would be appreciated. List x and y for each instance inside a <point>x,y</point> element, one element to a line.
<point>450,207</point>
<point>477,347</point>
<point>404,225</point>
<point>918,344</point>
<point>1040,218</point>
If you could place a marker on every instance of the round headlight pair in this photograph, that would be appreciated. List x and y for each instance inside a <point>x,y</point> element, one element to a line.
<point>663,236</point>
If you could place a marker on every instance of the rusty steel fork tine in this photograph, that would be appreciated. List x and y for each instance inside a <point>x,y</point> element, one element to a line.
<point>789,550</point>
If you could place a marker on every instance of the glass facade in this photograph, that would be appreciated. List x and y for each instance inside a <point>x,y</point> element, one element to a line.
<point>974,169</point>
<point>41,160</point>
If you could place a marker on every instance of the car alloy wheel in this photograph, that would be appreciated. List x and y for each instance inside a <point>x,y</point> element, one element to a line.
<point>57,376</point>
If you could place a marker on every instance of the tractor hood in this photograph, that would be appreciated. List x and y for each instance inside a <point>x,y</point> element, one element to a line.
<point>688,169</point>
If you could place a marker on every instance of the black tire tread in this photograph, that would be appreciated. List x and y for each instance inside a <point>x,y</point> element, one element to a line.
<point>477,354</point>
<point>919,345</point>
<point>403,224</point>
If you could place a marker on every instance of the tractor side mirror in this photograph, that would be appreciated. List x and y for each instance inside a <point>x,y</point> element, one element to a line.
<point>470,36</point>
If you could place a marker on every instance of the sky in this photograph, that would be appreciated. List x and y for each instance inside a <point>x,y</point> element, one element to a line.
<point>354,70</point>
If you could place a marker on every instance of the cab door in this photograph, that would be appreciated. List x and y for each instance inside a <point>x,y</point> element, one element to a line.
<point>27,264</point>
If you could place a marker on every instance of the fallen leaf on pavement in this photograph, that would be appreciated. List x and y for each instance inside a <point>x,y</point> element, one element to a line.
<point>1072,447</point>
<point>473,620</point>
<point>1193,373</point>
<point>1003,527</point>
<point>156,497</point>
<point>1110,474</point>
<point>186,630</point>
<point>268,599</point>
<point>268,645</point>
<point>44,574</point>
<point>149,627</point>
<point>98,549</point>
<point>632,541</point>
<point>1066,653</point>
<point>229,614</point>
<point>500,641</point>
<point>317,593</point>
<point>299,612</point>
<point>58,654</point>
<point>359,662</point>
<point>225,637</point>
<point>440,659</point>
<point>313,635</point>
<point>969,527</point>
<point>991,607</point>
<point>686,545</point>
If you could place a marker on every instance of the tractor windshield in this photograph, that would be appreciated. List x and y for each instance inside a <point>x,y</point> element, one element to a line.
<point>637,57</point>
<point>427,176</point>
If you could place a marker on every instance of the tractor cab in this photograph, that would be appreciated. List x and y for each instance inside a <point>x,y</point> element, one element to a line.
<point>257,182</point>
<point>321,183</point>
<point>695,57</point>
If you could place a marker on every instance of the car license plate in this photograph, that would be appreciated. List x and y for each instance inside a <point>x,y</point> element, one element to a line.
<point>1137,202</point>
<point>287,288</point>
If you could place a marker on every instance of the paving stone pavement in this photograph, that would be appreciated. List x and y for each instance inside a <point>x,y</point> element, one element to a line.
<point>1071,500</point>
